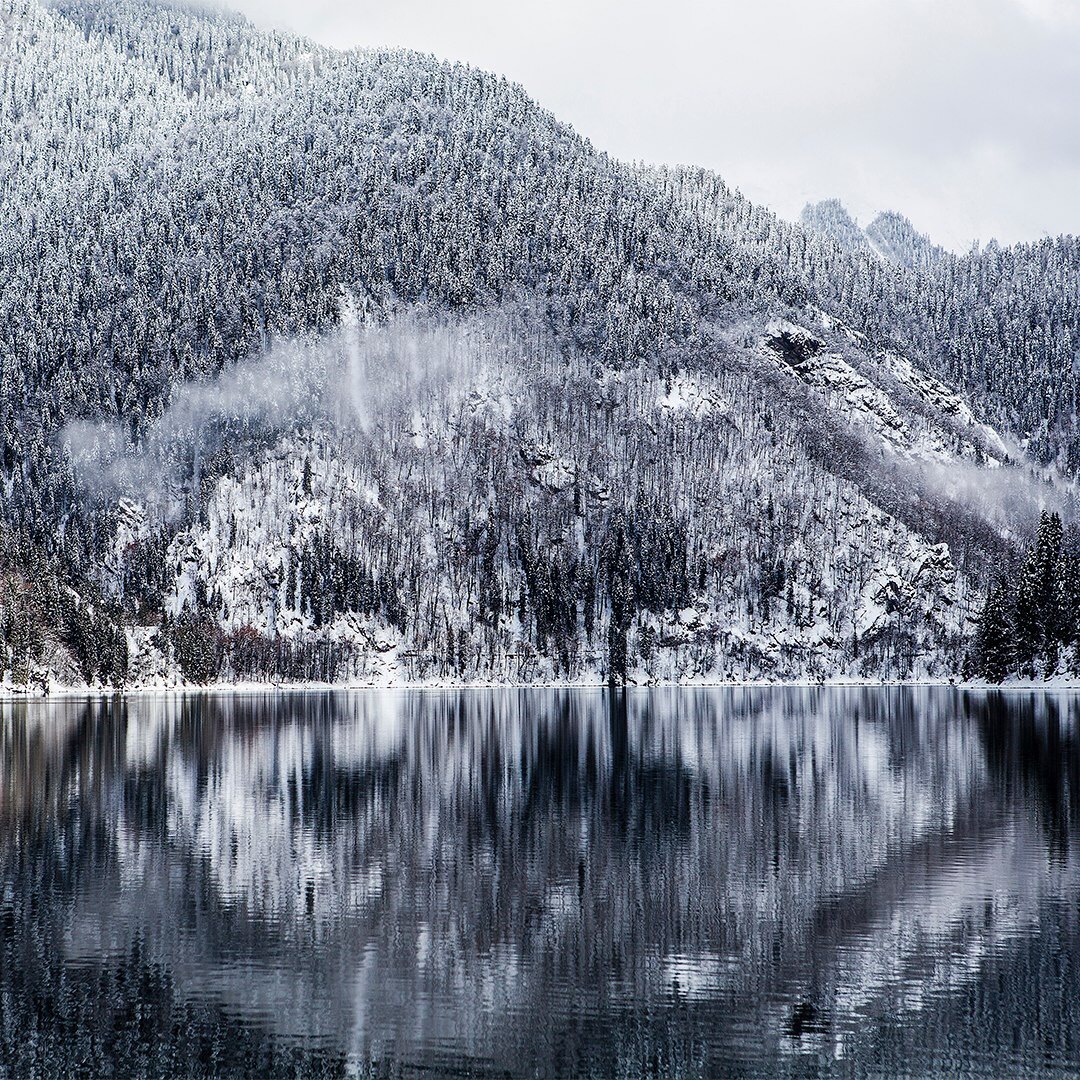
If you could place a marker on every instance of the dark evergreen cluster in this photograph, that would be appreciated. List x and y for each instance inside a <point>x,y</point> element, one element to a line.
<point>1031,621</point>
<point>45,623</point>
<point>325,581</point>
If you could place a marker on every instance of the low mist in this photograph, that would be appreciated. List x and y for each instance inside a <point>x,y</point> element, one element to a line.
<point>346,378</point>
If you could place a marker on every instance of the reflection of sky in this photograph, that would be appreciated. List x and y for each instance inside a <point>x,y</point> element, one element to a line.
<point>424,872</point>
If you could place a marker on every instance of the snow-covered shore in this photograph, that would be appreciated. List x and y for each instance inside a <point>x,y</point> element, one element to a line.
<point>1059,684</point>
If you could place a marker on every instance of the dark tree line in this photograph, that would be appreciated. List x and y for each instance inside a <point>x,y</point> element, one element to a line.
<point>1031,618</point>
<point>48,627</point>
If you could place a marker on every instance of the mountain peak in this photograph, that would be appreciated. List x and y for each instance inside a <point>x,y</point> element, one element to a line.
<point>897,240</point>
<point>890,236</point>
<point>831,218</point>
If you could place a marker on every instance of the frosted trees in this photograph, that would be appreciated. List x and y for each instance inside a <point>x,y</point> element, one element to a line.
<point>1040,601</point>
<point>182,189</point>
<point>994,647</point>
<point>1026,623</point>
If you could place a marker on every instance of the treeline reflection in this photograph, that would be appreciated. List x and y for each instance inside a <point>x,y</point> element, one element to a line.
<point>533,881</point>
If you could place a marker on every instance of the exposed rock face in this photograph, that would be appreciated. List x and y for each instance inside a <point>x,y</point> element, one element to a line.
<point>793,343</point>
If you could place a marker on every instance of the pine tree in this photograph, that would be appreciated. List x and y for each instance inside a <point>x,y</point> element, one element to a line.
<point>995,641</point>
<point>1040,607</point>
<point>620,588</point>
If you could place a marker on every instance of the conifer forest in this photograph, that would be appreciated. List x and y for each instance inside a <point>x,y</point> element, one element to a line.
<point>359,367</point>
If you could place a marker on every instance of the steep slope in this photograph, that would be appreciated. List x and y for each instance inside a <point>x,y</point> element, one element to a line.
<point>523,519</point>
<point>1001,324</point>
<point>362,366</point>
<point>488,505</point>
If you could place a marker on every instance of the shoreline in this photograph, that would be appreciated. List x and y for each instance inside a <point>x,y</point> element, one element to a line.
<point>70,693</point>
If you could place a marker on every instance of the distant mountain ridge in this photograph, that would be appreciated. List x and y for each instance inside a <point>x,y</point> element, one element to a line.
<point>891,236</point>
<point>362,367</point>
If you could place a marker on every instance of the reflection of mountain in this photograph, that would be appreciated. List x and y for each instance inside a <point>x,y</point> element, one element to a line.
<point>505,877</point>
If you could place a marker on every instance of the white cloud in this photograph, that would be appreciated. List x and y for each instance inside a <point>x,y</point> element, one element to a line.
<point>961,113</point>
<point>1052,11</point>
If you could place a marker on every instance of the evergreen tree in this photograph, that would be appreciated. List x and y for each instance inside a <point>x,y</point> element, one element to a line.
<point>620,591</point>
<point>1040,603</point>
<point>995,640</point>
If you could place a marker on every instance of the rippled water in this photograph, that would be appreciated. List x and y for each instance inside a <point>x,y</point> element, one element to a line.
<point>541,883</point>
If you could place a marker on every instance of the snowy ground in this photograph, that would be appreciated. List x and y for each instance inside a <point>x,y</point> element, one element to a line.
<point>1059,684</point>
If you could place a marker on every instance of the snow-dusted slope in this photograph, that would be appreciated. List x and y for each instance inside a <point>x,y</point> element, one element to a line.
<point>461,526</point>
<point>620,422</point>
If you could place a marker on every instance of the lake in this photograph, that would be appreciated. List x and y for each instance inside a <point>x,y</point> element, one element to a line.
<point>790,882</point>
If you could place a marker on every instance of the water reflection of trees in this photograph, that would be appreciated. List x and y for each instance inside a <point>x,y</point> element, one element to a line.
<point>501,873</point>
<point>1032,749</point>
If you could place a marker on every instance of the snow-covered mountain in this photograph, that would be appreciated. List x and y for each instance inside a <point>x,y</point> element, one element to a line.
<point>362,367</point>
<point>890,236</point>
<point>896,239</point>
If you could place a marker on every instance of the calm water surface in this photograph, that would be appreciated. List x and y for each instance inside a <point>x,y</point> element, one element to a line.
<point>541,883</point>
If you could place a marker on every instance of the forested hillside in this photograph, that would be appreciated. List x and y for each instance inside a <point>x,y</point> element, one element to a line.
<point>362,367</point>
<point>1000,324</point>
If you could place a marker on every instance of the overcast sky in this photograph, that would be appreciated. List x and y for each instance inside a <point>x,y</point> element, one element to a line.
<point>963,114</point>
